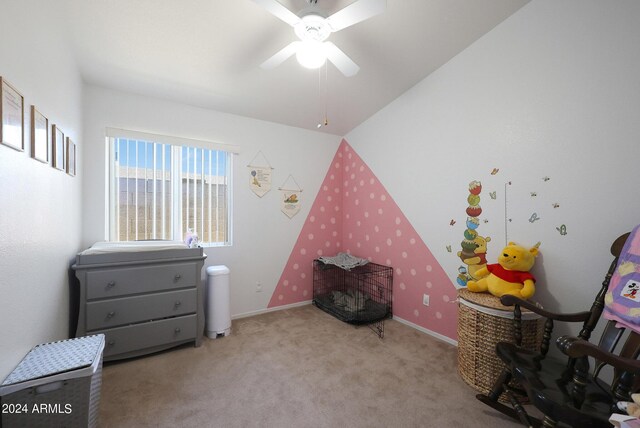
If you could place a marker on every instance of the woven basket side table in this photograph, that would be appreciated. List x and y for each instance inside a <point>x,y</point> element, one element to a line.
<point>483,322</point>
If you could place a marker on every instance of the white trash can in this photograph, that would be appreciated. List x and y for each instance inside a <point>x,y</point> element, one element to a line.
<point>217,310</point>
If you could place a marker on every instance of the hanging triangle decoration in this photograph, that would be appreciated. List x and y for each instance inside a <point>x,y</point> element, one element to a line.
<point>260,175</point>
<point>291,197</point>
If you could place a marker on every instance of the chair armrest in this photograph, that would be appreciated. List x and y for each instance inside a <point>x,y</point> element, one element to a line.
<point>575,347</point>
<point>509,300</point>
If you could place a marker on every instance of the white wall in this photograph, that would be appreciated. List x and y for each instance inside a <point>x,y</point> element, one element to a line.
<point>552,91</point>
<point>39,205</point>
<point>262,235</point>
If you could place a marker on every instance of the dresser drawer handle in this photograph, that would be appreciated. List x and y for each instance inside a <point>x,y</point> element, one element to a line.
<point>177,304</point>
<point>111,284</point>
<point>177,330</point>
<point>177,277</point>
<point>111,314</point>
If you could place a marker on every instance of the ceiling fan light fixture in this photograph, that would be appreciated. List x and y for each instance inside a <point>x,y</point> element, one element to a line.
<point>311,54</point>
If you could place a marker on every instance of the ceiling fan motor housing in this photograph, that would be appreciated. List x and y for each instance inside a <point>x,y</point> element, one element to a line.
<point>312,27</point>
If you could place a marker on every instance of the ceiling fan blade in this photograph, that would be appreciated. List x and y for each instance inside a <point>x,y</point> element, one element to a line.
<point>279,11</point>
<point>341,60</point>
<point>281,56</point>
<point>355,12</point>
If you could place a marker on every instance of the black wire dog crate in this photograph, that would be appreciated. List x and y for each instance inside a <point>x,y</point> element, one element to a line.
<point>358,296</point>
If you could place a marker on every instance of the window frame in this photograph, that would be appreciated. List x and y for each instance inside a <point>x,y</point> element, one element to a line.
<point>176,146</point>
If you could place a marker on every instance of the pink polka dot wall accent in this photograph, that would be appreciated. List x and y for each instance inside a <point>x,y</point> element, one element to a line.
<point>321,235</point>
<point>386,238</point>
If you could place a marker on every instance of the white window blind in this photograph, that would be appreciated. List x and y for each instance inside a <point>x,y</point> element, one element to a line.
<point>161,190</point>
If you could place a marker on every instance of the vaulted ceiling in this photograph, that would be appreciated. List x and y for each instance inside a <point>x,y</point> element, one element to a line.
<point>207,53</point>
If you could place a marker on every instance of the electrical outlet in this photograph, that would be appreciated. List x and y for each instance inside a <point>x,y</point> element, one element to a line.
<point>258,287</point>
<point>425,299</point>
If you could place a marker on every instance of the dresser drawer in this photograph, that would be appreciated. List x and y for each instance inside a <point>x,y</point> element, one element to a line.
<point>123,281</point>
<point>147,335</point>
<point>129,310</point>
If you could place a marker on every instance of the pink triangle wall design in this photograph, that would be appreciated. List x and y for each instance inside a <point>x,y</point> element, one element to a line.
<point>354,213</point>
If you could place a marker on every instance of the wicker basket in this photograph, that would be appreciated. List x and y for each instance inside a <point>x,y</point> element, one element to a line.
<point>483,322</point>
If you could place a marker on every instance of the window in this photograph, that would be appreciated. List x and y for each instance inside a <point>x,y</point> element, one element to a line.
<point>161,190</point>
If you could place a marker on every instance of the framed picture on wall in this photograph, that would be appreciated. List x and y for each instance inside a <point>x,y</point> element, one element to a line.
<point>57,144</point>
<point>71,157</point>
<point>12,112</point>
<point>39,136</point>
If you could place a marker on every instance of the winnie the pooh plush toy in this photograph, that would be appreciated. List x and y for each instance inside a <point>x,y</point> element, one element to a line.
<point>510,275</point>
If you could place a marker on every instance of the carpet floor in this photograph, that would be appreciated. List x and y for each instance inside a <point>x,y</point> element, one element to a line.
<point>296,368</point>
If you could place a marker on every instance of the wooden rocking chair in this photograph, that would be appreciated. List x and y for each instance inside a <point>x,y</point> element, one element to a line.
<point>565,392</point>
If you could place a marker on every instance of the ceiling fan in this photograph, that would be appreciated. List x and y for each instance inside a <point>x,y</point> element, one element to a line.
<point>313,29</point>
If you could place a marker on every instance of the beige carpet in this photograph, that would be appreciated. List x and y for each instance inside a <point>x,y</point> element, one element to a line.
<point>296,368</point>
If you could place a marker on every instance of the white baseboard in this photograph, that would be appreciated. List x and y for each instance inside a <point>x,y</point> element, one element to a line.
<point>427,331</point>
<point>267,310</point>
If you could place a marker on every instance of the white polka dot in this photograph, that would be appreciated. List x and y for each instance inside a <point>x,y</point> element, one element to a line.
<point>346,148</point>
<point>329,198</point>
<point>332,220</point>
<point>338,244</point>
<point>348,216</point>
<point>371,181</point>
<point>346,168</point>
<point>429,268</point>
<point>336,190</point>
<point>370,259</point>
<point>412,241</point>
<point>339,155</point>
<point>357,202</point>
<point>285,282</point>
<point>398,271</point>
<point>303,275</point>
<point>336,208</point>
<point>351,236</point>
<point>303,251</point>
<point>358,245</point>
<point>296,266</point>
<point>416,313</point>
<point>305,292</point>
<point>376,228</point>
<point>361,183</point>
<point>403,286</point>
<point>334,233</point>
<point>353,176</point>
<point>398,232</point>
<point>280,297</point>
<point>312,219</point>
<point>346,194</point>
<point>346,182</point>
<point>337,164</point>
<point>438,315</point>
<point>446,298</point>
<point>350,155</point>
<point>389,241</point>
<point>366,237</point>
<point>327,244</point>
<point>294,288</point>
<point>325,188</point>
<point>323,226</point>
<point>353,164</point>
<point>319,252</point>
<point>355,189</point>
<point>310,236</point>
<point>377,249</point>
<point>361,168</point>
<point>333,177</point>
<point>358,223</point>
<point>322,208</point>
<point>383,198</point>
<point>380,211</point>
<point>429,284</point>
<point>413,272</point>
<point>366,214</point>
<point>372,195</point>
<point>388,262</point>
<point>398,221</point>
<point>404,255</point>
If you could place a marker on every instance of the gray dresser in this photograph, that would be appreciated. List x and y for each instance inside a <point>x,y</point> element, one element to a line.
<point>142,301</point>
